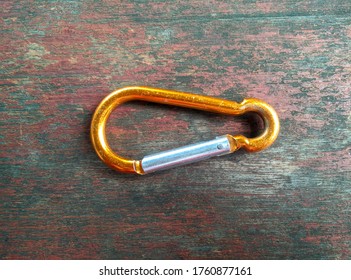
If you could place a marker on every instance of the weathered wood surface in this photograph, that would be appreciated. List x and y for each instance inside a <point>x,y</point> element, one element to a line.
<point>60,58</point>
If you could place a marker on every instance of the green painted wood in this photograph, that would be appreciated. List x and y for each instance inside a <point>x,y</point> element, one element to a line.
<point>60,58</point>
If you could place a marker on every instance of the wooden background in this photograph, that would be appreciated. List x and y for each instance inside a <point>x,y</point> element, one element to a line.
<point>60,58</point>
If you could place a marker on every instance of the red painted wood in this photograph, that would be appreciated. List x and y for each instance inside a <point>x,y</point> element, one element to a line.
<point>59,59</point>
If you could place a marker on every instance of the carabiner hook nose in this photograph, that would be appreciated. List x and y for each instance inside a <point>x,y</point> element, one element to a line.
<point>190,153</point>
<point>271,124</point>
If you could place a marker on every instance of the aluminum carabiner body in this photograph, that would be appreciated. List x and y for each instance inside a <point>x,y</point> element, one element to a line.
<point>187,154</point>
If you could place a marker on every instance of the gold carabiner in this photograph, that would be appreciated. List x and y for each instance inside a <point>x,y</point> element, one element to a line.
<point>191,153</point>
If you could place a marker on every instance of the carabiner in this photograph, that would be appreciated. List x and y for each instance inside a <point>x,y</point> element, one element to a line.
<point>191,153</point>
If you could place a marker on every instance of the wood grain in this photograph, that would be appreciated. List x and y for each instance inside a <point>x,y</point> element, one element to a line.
<point>60,58</point>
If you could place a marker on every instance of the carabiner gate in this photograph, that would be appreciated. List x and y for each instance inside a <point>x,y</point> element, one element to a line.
<point>191,153</point>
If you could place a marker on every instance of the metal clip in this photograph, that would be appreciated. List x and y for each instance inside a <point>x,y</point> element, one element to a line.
<point>191,153</point>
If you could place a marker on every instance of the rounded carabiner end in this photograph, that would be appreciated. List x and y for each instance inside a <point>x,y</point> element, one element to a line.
<point>99,140</point>
<point>271,123</point>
